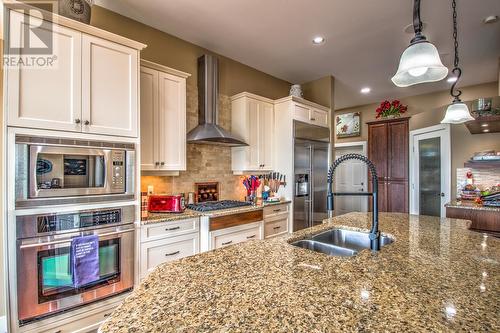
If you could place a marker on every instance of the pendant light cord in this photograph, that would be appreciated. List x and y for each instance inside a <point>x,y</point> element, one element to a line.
<point>417,23</point>
<point>456,70</point>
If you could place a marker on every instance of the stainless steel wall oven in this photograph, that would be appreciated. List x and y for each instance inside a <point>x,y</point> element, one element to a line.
<point>45,275</point>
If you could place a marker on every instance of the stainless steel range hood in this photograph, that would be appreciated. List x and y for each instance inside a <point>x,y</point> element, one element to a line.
<point>208,131</point>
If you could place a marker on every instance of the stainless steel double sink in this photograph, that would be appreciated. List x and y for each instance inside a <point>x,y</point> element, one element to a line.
<point>340,242</point>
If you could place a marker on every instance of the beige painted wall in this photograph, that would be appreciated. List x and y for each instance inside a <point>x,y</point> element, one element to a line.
<point>171,51</point>
<point>428,110</point>
<point>319,91</point>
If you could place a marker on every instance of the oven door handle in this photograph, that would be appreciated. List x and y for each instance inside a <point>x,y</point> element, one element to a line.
<point>61,241</point>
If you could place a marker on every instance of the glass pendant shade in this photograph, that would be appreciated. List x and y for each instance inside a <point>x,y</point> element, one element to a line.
<point>457,113</point>
<point>419,63</point>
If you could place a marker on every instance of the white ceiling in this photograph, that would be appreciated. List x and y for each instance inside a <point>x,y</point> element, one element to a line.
<point>364,39</point>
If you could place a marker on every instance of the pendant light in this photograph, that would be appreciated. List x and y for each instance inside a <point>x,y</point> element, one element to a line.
<point>420,61</point>
<point>457,112</point>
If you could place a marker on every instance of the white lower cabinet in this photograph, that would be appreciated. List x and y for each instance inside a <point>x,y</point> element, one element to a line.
<point>276,226</point>
<point>168,241</point>
<point>276,220</point>
<point>234,235</point>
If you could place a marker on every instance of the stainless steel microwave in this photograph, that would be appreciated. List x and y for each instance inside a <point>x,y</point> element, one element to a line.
<point>55,171</point>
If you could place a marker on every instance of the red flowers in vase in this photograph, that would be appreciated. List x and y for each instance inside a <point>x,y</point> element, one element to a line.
<point>394,109</point>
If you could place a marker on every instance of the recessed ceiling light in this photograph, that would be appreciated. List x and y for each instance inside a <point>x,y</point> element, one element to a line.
<point>486,130</point>
<point>484,125</point>
<point>490,19</point>
<point>452,79</point>
<point>365,90</point>
<point>318,40</point>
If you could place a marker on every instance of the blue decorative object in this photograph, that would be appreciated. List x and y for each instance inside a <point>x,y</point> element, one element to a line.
<point>43,166</point>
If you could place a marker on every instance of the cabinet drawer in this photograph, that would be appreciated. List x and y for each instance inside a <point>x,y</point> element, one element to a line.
<point>169,229</point>
<point>157,252</point>
<point>276,226</point>
<point>236,235</point>
<point>319,118</point>
<point>275,210</point>
<point>301,113</point>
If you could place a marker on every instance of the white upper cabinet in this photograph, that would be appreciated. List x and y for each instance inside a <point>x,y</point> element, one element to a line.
<point>163,118</point>
<point>109,87</point>
<point>149,118</point>
<point>252,119</point>
<point>48,98</point>
<point>91,87</point>
<point>306,111</point>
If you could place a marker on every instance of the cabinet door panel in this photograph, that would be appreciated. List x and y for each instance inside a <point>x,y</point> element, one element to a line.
<point>172,119</point>
<point>48,98</point>
<point>397,197</point>
<point>377,150</point>
<point>266,128</point>
<point>301,113</point>
<point>109,87</point>
<point>253,142</point>
<point>149,119</point>
<point>157,252</point>
<point>398,153</point>
<point>319,117</point>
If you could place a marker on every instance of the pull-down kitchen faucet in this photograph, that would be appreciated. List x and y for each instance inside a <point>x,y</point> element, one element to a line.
<point>374,233</point>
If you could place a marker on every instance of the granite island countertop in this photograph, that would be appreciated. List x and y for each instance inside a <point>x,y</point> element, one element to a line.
<point>436,276</point>
<point>465,204</point>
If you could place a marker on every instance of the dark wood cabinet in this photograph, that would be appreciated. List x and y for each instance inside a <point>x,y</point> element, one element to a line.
<point>388,150</point>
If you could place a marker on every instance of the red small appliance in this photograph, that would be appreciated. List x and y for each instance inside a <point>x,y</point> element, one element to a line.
<point>166,204</point>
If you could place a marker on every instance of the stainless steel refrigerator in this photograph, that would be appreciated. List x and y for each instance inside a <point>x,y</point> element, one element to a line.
<point>310,174</point>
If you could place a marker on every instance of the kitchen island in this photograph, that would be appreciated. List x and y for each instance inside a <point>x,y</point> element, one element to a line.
<point>435,276</point>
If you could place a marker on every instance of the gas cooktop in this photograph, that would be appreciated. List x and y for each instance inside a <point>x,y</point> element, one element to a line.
<point>217,205</point>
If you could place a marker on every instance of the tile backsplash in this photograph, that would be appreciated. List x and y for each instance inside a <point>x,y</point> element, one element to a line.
<point>483,178</point>
<point>205,163</point>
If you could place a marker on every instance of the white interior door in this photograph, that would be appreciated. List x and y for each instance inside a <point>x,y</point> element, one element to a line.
<point>350,176</point>
<point>430,173</point>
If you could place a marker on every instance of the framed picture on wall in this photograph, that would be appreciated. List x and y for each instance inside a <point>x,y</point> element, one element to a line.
<point>348,125</point>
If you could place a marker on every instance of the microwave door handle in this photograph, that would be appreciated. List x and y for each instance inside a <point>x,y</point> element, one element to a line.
<point>61,241</point>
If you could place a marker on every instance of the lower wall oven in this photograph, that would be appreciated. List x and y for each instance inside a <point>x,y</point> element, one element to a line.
<point>45,274</point>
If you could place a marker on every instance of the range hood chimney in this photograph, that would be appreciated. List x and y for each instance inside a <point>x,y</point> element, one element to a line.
<point>208,131</point>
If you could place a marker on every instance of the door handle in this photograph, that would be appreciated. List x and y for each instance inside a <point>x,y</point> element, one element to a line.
<point>227,243</point>
<point>68,240</point>
<point>172,254</point>
<point>250,237</point>
<point>170,229</point>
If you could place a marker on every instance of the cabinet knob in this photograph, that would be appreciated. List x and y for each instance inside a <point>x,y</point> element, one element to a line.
<point>86,122</point>
<point>157,163</point>
<point>77,121</point>
<point>250,237</point>
<point>171,254</point>
<point>162,163</point>
<point>313,119</point>
<point>227,243</point>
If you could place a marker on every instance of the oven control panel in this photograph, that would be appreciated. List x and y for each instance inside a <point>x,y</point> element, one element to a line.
<point>61,222</point>
<point>118,168</point>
